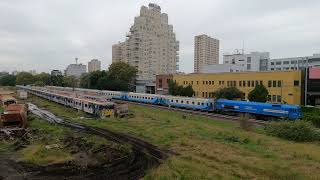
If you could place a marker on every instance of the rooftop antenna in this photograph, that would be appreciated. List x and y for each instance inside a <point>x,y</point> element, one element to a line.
<point>76,60</point>
<point>243,47</point>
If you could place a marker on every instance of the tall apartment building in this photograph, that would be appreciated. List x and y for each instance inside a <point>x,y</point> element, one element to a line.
<point>294,63</point>
<point>151,47</point>
<point>94,65</point>
<point>206,51</point>
<point>119,52</point>
<point>75,70</point>
<point>255,61</point>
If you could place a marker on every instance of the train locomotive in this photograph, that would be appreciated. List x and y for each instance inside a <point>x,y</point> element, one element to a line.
<point>261,110</point>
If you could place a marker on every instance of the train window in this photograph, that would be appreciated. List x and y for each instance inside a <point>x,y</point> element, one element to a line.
<point>171,100</point>
<point>176,100</point>
<point>192,102</point>
<point>181,101</point>
<point>187,102</point>
<point>202,104</point>
<point>198,103</point>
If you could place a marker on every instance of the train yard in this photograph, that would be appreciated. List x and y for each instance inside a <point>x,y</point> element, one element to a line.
<point>154,142</point>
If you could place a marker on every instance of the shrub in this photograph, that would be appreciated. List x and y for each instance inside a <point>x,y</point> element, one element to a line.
<point>313,118</point>
<point>293,130</point>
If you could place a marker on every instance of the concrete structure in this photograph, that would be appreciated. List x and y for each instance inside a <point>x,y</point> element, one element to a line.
<point>283,86</point>
<point>206,51</point>
<point>56,73</point>
<point>94,65</point>
<point>220,68</point>
<point>76,70</point>
<point>162,83</point>
<point>255,61</point>
<point>151,47</point>
<point>294,63</point>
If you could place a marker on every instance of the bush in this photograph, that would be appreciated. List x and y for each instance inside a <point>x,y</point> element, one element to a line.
<point>294,130</point>
<point>313,118</point>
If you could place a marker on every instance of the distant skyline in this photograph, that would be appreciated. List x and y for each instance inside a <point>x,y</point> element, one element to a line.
<point>46,35</point>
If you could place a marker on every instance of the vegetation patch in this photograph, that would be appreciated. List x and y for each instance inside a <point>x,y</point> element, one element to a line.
<point>208,149</point>
<point>311,114</point>
<point>293,130</point>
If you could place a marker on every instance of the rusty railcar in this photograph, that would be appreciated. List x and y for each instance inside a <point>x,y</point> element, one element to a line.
<point>14,116</point>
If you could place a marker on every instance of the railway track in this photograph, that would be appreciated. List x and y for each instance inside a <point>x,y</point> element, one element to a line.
<point>212,115</point>
<point>145,155</point>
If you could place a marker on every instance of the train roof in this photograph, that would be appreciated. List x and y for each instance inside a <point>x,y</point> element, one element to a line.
<point>189,98</point>
<point>258,103</point>
<point>143,94</point>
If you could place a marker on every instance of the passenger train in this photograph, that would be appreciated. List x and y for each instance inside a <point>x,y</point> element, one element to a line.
<point>262,110</point>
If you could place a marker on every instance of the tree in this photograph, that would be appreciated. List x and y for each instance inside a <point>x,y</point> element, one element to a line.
<point>228,93</point>
<point>56,80</point>
<point>8,80</point>
<point>39,83</point>
<point>25,78</point>
<point>44,77</point>
<point>258,94</point>
<point>176,90</point>
<point>122,73</point>
<point>70,81</point>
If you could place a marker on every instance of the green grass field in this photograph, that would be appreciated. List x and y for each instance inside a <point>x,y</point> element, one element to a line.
<point>208,149</point>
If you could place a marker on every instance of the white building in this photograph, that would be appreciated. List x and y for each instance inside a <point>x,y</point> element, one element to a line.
<point>294,63</point>
<point>94,65</point>
<point>206,51</point>
<point>255,61</point>
<point>75,70</point>
<point>220,68</point>
<point>151,47</point>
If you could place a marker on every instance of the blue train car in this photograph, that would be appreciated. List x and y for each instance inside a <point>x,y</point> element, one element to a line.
<point>188,103</point>
<point>292,112</point>
<point>114,94</point>
<point>143,98</point>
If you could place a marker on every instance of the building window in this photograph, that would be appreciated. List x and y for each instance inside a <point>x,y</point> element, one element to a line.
<point>279,99</point>
<point>257,83</point>
<point>191,82</point>
<point>209,82</point>
<point>296,83</point>
<point>272,69</point>
<point>248,59</point>
<point>248,66</point>
<point>202,82</point>
<point>278,63</point>
<point>272,63</point>
<point>160,83</point>
<point>240,83</point>
<point>285,62</point>
<point>197,82</point>
<point>206,94</point>
<point>293,62</point>
<point>249,84</point>
<point>234,83</point>
<point>269,83</point>
<point>252,83</point>
<point>269,98</point>
<point>279,83</point>
<point>274,98</point>
<point>244,83</point>
<point>274,83</point>
<point>202,94</point>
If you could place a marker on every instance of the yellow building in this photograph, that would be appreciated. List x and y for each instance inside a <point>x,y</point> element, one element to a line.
<point>283,86</point>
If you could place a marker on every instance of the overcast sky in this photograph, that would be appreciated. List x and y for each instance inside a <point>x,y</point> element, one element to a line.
<point>46,35</point>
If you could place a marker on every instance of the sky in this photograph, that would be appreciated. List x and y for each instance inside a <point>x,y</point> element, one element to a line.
<point>46,35</point>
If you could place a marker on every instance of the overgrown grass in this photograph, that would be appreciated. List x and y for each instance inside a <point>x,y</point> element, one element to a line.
<point>209,149</point>
<point>312,114</point>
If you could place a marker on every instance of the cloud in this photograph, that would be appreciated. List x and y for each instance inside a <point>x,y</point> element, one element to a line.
<point>45,35</point>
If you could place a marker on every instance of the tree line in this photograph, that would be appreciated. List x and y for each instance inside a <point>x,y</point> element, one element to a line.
<point>119,77</point>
